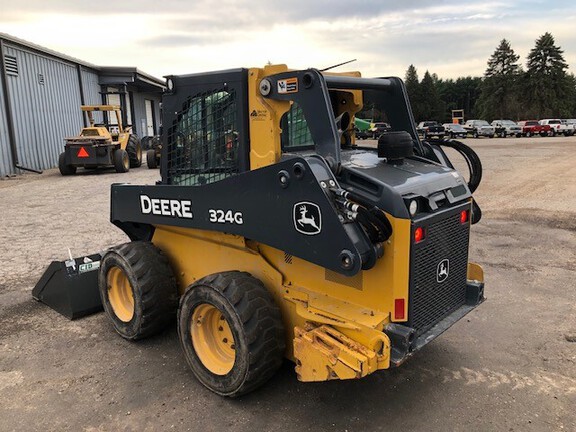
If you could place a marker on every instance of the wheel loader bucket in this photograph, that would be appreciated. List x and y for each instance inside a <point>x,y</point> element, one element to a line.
<point>71,287</point>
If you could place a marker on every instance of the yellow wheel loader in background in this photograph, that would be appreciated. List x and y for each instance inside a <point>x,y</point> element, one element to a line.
<point>272,234</point>
<point>101,145</point>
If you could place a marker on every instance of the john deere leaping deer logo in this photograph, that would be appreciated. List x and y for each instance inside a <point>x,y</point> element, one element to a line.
<point>442,270</point>
<point>307,218</point>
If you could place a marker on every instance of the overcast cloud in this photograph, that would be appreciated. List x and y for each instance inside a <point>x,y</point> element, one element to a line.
<point>450,38</point>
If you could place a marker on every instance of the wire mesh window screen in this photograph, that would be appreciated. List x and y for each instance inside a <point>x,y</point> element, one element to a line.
<point>295,132</point>
<point>203,141</point>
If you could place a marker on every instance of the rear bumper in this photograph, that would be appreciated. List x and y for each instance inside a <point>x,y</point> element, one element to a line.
<point>402,338</point>
<point>485,132</point>
<point>97,155</point>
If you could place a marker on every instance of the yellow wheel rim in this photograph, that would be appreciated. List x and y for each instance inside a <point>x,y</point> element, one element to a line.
<point>212,339</point>
<point>120,294</point>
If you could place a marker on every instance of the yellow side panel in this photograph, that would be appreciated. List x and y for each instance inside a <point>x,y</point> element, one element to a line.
<point>304,292</point>
<point>373,289</point>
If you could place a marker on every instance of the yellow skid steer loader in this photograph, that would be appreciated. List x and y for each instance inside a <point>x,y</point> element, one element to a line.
<point>272,234</point>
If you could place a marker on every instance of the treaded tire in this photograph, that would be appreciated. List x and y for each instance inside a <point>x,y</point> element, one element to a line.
<point>153,286</point>
<point>121,161</point>
<point>151,160</point>
<point>255,323</point>
<point>134,150</point>
<point>145,142</point>
<point>65,169</point>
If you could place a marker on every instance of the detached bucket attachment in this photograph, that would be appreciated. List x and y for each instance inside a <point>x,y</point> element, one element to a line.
<point>71,287</point>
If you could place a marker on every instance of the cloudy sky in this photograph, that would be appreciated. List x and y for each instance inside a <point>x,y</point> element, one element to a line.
<point>451,38</point>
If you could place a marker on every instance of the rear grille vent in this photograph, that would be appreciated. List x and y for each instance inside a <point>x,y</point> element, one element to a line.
<point>11,65</point>
<point>445,247</point>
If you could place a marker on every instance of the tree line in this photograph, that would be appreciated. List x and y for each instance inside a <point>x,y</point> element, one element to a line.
<point>506,91</point>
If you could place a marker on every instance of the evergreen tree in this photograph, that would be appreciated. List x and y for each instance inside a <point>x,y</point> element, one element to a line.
<point>499,89</point>
<point>431,105</point>
<point>460,94</point>
<point>548,90</point>
<point>413,88</point>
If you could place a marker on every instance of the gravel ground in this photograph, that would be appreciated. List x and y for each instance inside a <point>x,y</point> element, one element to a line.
<point>509,366</point>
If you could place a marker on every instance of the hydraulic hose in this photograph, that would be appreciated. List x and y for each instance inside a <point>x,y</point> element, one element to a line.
<point>475,169</point>
<point>374,211</point>
<point>372,232</point>
<point>373,220</point>
<point>471,158</point>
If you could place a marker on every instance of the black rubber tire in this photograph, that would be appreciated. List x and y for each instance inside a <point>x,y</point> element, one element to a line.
<point>256,325</point>
<point>121,161</point>
<point>491,136</point>
<point>134,149</point>
<point>153,285</point>
<point>65,169</point>
<point>552,133</point>
<point>528,134</point>
<point>145,143</point>
<point>151,159</point>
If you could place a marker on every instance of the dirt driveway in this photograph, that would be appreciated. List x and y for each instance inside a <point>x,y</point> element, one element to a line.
<point>509,366</point>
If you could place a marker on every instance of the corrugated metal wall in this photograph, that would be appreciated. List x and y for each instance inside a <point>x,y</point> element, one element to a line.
<point>91,89</point>
<point>140,111</point>
<point>5,157</point>
<point>45,100</point>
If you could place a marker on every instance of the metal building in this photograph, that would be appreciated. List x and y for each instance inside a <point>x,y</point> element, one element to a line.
<point>40,96</point>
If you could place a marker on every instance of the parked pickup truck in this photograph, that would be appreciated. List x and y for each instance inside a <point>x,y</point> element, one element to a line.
<point>532,127</point>
<point>557,127</point>
<point>430,130</point>
<point>379,128</point>
<point>571,123</point>
<point>478,128</point>
<point>504,128</point>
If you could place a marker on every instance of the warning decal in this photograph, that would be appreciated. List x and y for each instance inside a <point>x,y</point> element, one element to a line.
<point>82,153</point>
<point>289,85</point>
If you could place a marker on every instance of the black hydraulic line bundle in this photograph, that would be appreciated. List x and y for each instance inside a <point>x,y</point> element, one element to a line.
<point>371,217</point>
<point>475,169</point>
<point>471,158</point>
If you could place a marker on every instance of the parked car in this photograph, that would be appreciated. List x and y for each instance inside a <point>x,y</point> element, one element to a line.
<point>379,128</point>
<point>363,134</point>
<point>455,130</point>
<point>504,128</point>
<point>533,127</point>
<point>557,127</point>
<point>430,130</point>
<point>479,128</point>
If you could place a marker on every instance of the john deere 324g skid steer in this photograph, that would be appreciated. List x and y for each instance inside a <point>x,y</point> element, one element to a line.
<point>273,235</point>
